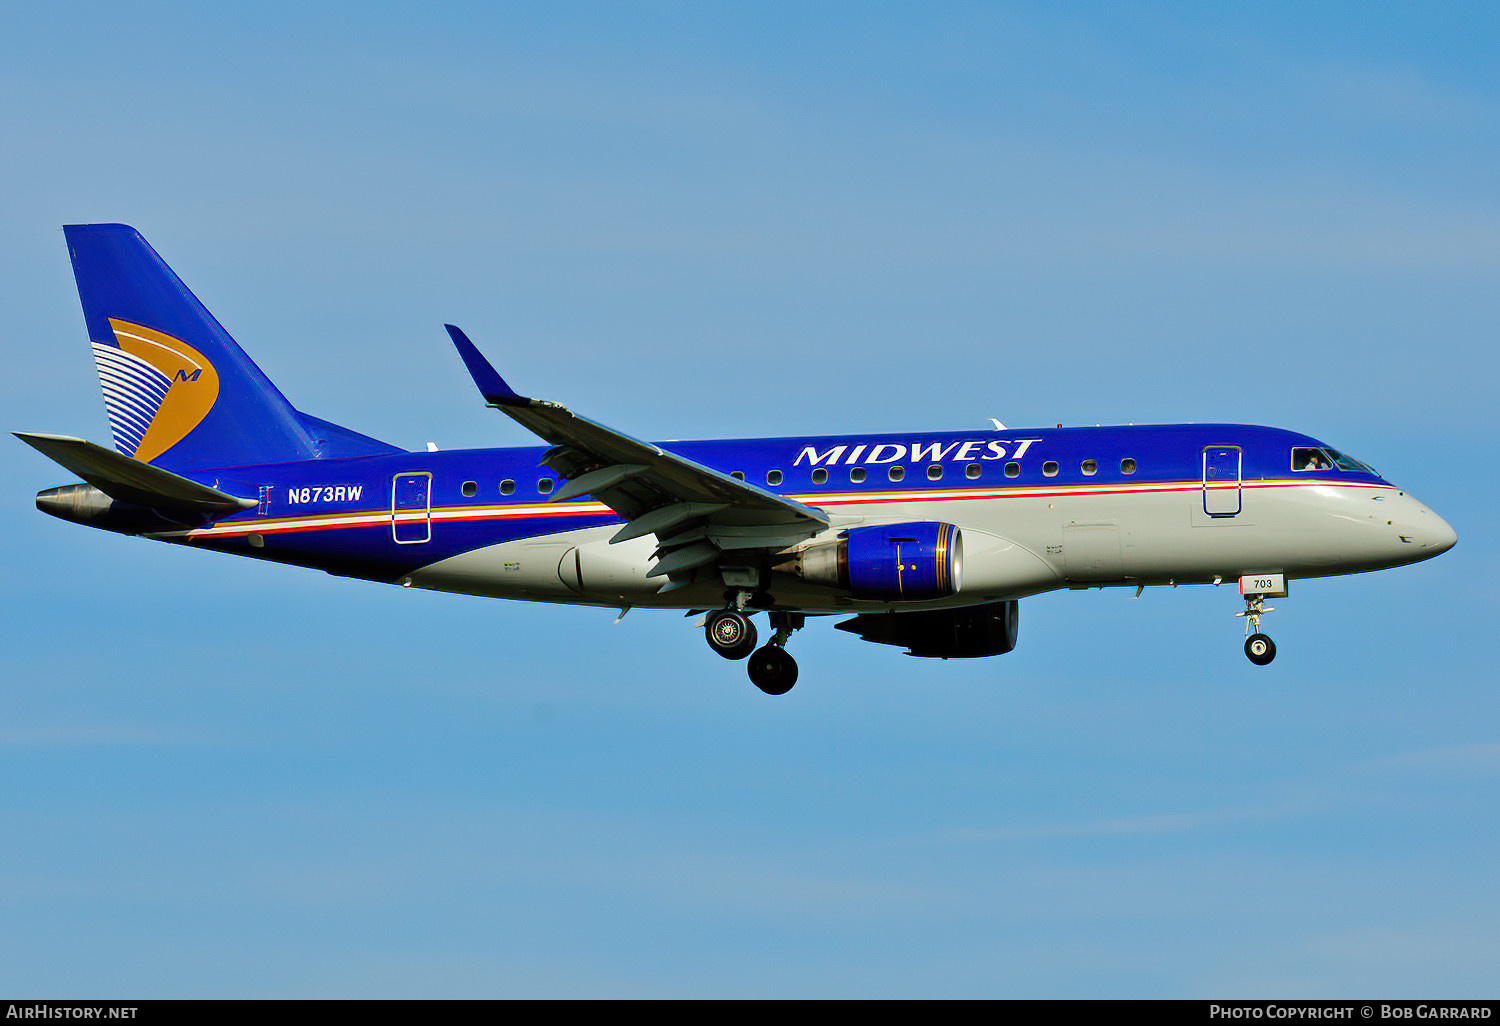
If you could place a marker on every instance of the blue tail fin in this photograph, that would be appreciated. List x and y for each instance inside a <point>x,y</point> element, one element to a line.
<point>180,391</point>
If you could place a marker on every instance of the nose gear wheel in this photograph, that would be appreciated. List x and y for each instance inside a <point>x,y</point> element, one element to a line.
<point>1260,649</point>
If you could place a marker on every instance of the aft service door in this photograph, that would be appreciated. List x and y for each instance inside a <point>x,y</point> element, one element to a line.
<point>1221,480</point>
<point>411,508</point>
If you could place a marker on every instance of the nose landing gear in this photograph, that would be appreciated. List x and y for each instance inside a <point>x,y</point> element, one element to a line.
<point>1259,648</point>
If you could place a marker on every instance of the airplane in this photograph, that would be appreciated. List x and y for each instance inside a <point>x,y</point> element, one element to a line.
<point>923,541</point>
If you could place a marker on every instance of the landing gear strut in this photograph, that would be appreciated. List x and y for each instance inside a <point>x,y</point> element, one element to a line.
<point>772,668</point>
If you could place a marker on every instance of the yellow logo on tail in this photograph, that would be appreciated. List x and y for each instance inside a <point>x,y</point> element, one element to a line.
<point>157,389</point>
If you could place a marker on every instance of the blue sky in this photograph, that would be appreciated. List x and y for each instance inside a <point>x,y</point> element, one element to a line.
<point>222,778</point>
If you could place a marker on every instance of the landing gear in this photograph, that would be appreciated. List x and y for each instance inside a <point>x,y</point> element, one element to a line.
<point>1259,648</point>
<point>773,670</point>
<point>730,633</point>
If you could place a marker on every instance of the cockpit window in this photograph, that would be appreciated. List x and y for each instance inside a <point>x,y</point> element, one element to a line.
<point>1310,458</point>
<point>1307,458</point>
<point>1350,463</point>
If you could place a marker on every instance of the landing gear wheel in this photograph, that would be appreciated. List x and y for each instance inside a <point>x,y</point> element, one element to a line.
<point>773,670</point>
<point>1260,649</point>
<point>730,633</point>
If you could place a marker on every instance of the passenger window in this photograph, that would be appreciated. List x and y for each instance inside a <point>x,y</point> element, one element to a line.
<point>507,486</point>
<point>1127,466</point>
<point>544,485</point>
<point>470,489</point>
<point>1012,469</point>
<point>737,474</point>
<point>973,470</point>
<point>896,473</point>
<point>935,472</point>
<point>773,477</point>
<point>819,476</point>
<point>1050,468</point>
<point>856,474</point>
<point>1090,468</point>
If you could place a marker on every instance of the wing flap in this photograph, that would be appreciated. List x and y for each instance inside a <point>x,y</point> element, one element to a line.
<point>602,480</point>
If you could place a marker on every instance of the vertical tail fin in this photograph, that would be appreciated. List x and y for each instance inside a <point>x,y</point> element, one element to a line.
<point>180,391</point>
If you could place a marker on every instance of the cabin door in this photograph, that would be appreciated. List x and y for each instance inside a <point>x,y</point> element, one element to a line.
<point>1222,465</point>
<point>411,508</point>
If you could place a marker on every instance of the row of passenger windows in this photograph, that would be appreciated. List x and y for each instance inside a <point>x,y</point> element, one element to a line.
<point>1303,458</point>
<point>544,486</point>
<point>774,478</point>
<point>972,471</point>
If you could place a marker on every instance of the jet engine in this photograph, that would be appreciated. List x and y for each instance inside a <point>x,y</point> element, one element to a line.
<point>922,560</point>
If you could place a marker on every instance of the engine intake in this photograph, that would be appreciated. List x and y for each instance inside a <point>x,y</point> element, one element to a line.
<point>920,560</point>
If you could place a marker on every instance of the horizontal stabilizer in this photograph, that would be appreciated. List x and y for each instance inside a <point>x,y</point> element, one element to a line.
<point>130,480</point>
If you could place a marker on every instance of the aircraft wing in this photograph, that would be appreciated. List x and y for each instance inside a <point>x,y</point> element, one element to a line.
<point>703,519</point>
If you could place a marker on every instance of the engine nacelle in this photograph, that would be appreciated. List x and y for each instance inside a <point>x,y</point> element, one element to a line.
<point>914,561</point>
<point>943,633</point>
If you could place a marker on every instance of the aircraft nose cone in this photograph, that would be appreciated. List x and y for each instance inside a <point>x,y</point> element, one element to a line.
<point>1430,533</point>
<point>1439,536</point>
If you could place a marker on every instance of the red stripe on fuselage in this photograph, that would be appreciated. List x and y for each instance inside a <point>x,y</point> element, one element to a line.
<point>374,518</point>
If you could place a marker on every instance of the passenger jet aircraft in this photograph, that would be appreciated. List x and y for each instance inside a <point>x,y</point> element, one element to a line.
<point>924,541</point>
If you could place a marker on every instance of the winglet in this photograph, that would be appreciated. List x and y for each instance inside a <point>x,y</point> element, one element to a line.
<point>491,385</point>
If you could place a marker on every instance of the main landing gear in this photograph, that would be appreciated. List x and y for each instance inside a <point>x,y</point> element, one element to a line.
<point>772,668</point>
<point>730,633</point>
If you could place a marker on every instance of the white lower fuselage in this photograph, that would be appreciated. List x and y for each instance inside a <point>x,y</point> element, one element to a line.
<point>1016,542</point>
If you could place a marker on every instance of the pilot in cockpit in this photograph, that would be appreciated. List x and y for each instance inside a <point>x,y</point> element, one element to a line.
<point>1309,459</point>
